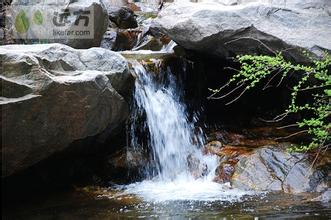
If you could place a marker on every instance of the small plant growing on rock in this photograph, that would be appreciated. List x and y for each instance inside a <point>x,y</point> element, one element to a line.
<point>314,78</point>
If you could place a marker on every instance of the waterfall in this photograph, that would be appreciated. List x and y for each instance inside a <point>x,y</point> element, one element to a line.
<point>178,169</point>
<point>173,141</point>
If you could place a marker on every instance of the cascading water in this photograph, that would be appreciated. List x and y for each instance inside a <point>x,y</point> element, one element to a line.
<point>179,170</point>
<point>171,136</point>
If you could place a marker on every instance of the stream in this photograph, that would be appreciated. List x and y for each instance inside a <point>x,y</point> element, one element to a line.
<point>109,203</point>
<point>178,180</point>
<point>180,171</point>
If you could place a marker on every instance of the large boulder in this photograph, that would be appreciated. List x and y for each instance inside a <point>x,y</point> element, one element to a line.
<point>228,28</point>
<point>53,95</point>
<point>79,24</point>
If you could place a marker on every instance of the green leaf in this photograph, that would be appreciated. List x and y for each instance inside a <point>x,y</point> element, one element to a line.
<point>38,18</point>
<point>22,23</point>
<point>328,92</point>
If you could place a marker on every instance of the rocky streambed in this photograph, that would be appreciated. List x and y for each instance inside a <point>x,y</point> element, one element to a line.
<point>68,106</point>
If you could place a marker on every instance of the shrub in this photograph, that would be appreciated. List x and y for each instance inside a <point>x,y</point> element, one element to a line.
<point>314,78</point>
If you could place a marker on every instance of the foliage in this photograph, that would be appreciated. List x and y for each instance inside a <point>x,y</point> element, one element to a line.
<point>315,79</point>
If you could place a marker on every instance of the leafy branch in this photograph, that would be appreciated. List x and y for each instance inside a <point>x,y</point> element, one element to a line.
<point>256,68</point>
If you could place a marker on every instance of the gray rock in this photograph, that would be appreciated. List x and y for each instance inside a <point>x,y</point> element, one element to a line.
<point>117,3</point>
<point>295,4</point>
<point>272,168</point>
<point>251,28</point>
<point>325,197</point>
<point>53,95</point>
<point>73,21</point>
<point>109,39</point>
<point>123,17</point>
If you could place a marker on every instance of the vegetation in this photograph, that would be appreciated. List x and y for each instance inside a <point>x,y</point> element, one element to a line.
<point>314,79</point>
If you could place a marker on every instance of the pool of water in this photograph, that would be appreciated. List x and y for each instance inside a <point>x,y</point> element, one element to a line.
<point>111,203</point>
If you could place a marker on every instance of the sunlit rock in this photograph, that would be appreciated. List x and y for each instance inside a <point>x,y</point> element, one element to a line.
<point>252,28</point>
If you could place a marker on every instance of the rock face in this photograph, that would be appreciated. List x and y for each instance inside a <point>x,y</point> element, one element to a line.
<point>54,95</point>
<point>71,20</point>
<point>123,17</point>
<point>271,168</point>
<point>228,28</point>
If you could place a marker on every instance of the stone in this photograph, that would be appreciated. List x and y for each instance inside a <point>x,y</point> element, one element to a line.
<point>196,168</point>
<point>123,17</point>
<point>97,23</point>
<point>116,3</point>
<point>224,173</point>
<point>250,28</point>
<point>325,197</point>
<point>108,40</point>
<point>146,55</point>
<point>120,39</point>
<point>150,43</point>
<point>54,95</point>
<point>272,168</point>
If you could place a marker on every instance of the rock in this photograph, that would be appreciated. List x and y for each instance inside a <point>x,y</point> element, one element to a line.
<point>146,54</point>
<point>125,40</point>
<point>131,162</point>
<point>224,173</point>
<point>150,43</point>
<point>295,4</point>
<point>272,168</point>
<point>252,28</point>
<point>119,39</point>
<point>83,35</point>
<point>325,197</point>
<point>249,138</point>
<point>123,17</point>
<point>148,5</point>
<point>109,39</point>
<point>54,95</point>
<point>196,168</point>
<point>116,3</point>
<point>212,147</point>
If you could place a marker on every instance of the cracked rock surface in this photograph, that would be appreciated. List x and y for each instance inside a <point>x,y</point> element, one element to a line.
<point>272,168</point>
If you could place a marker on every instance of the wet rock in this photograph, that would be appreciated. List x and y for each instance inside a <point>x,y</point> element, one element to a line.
<point>253,28</point>
<point>196,168</point>
<point>150,43</point>
<point>120,40</point>
<point>55,95</point>
<point>325,197</point>
<point>273,168</point>
<point>212,147</point>
<point>224,173</point>
<point>123,17</point>
<point>125,164</point>
<point>225,151</point>
<point>251,138</point>
<point>125,40</point>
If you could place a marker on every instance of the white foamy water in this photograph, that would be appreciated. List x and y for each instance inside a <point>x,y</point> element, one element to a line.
<point>185,190</point>
<point>171,140</point>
